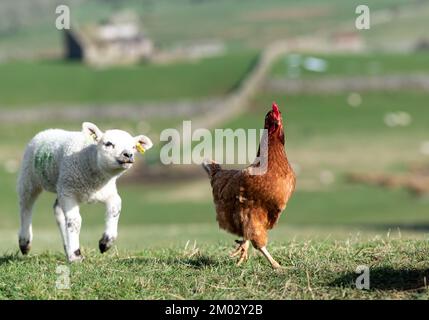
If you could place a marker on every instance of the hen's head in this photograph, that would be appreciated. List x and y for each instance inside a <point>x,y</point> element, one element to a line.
<point>273,121</point>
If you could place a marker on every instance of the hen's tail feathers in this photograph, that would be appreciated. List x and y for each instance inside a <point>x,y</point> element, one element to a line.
<point>211,167</point>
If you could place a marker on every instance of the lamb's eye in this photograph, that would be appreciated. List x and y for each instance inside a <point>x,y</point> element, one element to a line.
<point>109,144</point>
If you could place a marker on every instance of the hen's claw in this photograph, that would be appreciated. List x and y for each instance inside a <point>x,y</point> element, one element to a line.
<point>243,258</point>
<point>242,249</point>
<point>239,249</point>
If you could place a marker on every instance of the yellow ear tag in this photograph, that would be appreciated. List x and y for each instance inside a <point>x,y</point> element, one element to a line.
<point>94,136</point>
<point>140,148</point>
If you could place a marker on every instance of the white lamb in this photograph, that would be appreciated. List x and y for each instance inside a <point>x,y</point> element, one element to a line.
<point>79,167</point>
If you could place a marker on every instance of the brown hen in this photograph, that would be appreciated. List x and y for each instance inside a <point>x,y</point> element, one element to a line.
<point>249,202</point>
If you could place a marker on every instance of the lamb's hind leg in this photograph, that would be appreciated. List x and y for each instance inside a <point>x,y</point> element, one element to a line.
<point>61,222</point>
<point>73,222</point>
<point>27,196</point>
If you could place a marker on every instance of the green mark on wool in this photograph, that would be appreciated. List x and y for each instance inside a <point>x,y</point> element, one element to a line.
<point>43,160</point>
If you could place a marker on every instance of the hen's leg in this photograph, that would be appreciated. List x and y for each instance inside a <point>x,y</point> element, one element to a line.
<point>267,255</point>
<point>239,248</point>
<point>242,250</point>
<point>256,231</point>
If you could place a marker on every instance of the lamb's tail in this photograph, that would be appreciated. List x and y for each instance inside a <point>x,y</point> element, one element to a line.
<point>211,167</point>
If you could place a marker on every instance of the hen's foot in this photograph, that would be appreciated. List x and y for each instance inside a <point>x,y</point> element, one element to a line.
<point>242,251</point>
<point>274,264</point>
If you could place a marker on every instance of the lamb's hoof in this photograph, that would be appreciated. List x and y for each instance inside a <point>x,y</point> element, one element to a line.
<point>103,247</point>
<point>105,243</point>
<point>25,247</point>
<point>76,256</point>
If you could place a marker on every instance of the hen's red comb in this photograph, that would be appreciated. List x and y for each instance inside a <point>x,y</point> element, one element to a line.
<point>276,109</point>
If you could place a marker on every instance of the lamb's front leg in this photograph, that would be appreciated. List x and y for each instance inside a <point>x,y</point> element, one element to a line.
<point>73,221</point>
<point>113,210</point>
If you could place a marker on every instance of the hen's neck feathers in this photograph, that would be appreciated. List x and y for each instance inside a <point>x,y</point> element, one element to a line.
<point>277,159</point>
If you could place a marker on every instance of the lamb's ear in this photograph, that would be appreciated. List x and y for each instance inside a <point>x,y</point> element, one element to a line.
<point>92,131</point>
<point>143,143</point>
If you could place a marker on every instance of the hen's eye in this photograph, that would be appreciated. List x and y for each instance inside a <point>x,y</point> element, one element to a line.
<point>109,144</point>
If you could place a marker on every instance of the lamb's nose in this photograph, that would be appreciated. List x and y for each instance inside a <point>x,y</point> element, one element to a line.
<point>128,155</point>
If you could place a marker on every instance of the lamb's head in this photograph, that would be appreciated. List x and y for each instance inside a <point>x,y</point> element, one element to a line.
<point>116,149</point>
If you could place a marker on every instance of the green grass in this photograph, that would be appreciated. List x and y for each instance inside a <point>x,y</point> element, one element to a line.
<point>311,270</point>
<point>61,83</point>
<point>371,64</point>
<point>244,23</point>
<point>325,233</point>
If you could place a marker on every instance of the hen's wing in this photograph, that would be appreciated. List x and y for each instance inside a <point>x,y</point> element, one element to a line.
<point>270,192</point>
<point>226,191</point>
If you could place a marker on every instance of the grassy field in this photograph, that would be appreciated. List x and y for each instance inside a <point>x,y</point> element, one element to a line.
<point>59,83</point>
<point>329,228</point>
<point>249,23</point>
<point>311,270</point>
<point>317,126</point>
<point>312,240</point>
<point>371,64</point>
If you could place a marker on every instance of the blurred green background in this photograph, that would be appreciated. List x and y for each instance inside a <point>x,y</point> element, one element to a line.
<point>357,116</point>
